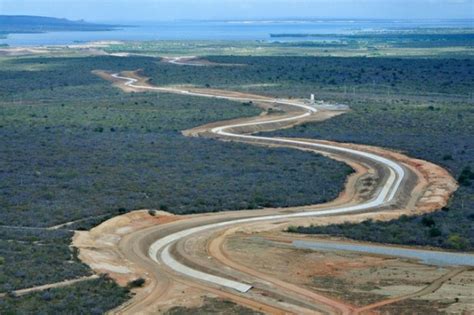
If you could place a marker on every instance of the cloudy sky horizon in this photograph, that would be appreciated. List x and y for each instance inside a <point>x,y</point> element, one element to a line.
<point>163,10</point>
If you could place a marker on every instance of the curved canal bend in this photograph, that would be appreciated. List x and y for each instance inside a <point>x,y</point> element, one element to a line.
<point>160,249</point>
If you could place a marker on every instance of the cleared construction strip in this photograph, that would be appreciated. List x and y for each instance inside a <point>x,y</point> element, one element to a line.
<point>384,197</point>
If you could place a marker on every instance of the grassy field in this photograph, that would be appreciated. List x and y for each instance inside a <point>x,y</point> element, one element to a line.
<point>316,49</point>
<point>418,43</point>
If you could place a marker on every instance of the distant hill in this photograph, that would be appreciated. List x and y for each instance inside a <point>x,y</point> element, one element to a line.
<point>39,24</point>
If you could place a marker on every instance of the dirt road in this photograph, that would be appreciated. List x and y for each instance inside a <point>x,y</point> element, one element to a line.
<point>44,287</point>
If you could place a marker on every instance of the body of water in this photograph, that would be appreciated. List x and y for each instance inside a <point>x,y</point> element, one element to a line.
<point>223,30</point>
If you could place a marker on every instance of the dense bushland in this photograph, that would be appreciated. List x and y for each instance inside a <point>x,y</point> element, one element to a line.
<point>88,297</point>
<point>441,133</point>
<point>33,257</point>
<point>75,176</point>
<point>213,306</point>
<point>75,148</point>
<point>298,76</point>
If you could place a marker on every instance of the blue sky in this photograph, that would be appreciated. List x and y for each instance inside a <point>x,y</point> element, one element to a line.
<point>150,10</point>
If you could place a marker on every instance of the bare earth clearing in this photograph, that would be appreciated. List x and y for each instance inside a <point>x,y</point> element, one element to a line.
<point>284,280</point>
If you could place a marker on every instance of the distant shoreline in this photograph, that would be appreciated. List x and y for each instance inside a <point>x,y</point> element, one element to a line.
<point>23,24</point>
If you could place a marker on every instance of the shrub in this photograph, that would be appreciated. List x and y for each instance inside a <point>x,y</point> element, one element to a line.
<point>466,176</point>
<point>435,232</point>
<point>457,242</point>
<point>121,210</point>
<point>427,221</point>
<point>137,283</point>
<point>292,229</point>
<point>447,157</point>
<point>46,296</point>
